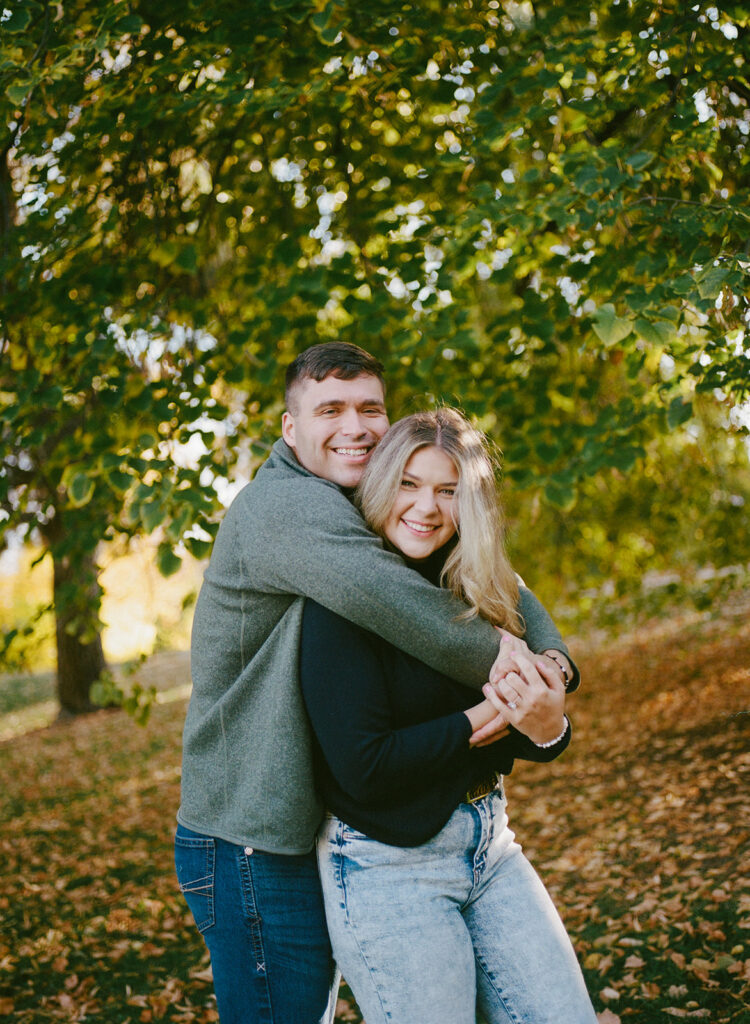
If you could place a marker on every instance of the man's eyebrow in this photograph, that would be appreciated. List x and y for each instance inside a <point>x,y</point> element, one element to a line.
<point>338,403</point>
<point>327,405</point>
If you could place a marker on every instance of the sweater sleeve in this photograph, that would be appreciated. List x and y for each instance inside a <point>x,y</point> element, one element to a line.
<point>345,692</point>
<point>308,539</point>
<point>541,634</point>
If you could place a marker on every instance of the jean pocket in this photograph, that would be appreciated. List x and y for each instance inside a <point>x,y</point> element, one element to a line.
<point>349,834</point>
<point>195,860</point>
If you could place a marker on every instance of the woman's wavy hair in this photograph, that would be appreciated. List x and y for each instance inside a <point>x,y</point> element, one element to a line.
<point>477,570</point>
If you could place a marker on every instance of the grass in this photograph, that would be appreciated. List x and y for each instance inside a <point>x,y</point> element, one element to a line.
<point>640,832</point>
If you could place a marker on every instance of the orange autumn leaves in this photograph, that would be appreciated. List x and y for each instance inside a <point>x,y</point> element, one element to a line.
<point>640,831</point>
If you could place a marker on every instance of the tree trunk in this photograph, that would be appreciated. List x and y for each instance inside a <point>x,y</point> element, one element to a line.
<point>80,658</point>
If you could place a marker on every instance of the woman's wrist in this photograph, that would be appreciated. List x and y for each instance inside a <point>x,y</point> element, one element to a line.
<point>480,714</point>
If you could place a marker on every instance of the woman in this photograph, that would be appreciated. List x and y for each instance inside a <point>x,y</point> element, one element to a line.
<point>432,908</point>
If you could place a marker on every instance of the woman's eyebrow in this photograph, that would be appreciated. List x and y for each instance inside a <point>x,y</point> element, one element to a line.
<point>418,480</point>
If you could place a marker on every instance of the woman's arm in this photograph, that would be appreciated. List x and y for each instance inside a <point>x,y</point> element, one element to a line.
<point>344,686</point>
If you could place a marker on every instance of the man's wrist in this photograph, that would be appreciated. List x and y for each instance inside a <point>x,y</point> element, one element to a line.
<point>563,664</point>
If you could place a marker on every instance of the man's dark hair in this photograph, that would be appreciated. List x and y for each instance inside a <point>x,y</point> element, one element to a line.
<point>331,359</point>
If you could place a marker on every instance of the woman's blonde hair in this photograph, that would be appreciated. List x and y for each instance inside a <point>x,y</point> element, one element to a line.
<point>477,570</point>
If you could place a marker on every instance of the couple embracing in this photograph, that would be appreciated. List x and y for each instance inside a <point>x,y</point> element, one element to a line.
<point>366,668</point>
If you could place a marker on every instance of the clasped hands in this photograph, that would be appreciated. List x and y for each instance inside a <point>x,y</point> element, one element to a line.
<point>525,690</point>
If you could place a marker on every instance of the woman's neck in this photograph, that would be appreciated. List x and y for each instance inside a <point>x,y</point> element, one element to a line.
<point>432,566</point>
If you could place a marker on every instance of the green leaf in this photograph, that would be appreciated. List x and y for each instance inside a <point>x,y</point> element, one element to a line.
<point>187,259</point>
<point>293,9</point>
<point>640,160</point>
<point>322,19</point>
<point>624,456</point>
<point>131,24</point>
<point>17,93</point>
<point>654,332</point>
<point>198,548</point>
<point>19,20</point>
<point>679,412</point>
<point>609,327</point>
<point>711,282</point>
<point>167,561</point>
<point>561,495</point>
<point>80,490</point>
<point>152,515</point>
<point>120,480</point>
<point>329,35</point>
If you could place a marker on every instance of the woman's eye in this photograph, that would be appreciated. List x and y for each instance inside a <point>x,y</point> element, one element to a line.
<point>448,491</point>
<point>407,483</point>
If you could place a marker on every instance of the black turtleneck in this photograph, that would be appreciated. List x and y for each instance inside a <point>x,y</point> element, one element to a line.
<point>392,755</point>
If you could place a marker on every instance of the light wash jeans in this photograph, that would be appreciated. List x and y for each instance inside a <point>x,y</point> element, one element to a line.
<point>434,933</point>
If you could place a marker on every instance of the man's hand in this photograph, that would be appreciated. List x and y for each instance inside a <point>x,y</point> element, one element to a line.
<point>496,727</point>
<point>510,645</point>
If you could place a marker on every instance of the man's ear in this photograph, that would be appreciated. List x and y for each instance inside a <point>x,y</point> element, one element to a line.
<point>287,428</point>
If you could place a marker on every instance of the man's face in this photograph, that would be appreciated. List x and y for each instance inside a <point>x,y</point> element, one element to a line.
<point>336,425</point>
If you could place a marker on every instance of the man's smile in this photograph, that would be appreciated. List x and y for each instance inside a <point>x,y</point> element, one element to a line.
<point>354,452</point>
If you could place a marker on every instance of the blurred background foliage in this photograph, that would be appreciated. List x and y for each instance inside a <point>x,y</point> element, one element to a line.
<point>535,211</point>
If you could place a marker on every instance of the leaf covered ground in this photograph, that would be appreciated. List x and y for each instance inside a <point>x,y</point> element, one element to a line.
<point>640,831</point>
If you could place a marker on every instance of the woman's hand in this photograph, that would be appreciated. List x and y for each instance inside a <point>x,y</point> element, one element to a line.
<point>531,696</point>
<point>482,714</point>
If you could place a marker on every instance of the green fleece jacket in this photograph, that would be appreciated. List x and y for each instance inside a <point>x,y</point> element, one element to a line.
<point>247,756</point>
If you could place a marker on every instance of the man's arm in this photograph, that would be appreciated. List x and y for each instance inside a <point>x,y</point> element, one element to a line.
<point>304,537</point>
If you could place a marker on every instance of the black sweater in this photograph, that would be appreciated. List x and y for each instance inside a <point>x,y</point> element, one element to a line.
<point>392,754</point>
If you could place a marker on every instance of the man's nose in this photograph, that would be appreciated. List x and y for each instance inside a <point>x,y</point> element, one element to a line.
<point>353,424</point>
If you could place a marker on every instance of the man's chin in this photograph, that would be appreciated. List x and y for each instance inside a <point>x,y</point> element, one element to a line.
<point>348,480</point>
<point>347,476</point>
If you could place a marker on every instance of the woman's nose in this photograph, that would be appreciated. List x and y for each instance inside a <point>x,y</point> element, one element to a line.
<point>425,500</point>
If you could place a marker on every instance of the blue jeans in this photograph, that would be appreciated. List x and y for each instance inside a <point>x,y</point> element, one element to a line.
<point>261,916</point>
<point>433,933</point>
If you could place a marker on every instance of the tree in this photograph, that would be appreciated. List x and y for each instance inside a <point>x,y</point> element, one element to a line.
<point>536,210</point>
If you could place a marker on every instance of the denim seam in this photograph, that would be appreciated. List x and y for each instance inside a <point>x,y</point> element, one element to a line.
<point>339,859</point>
<point>498,991</point>
<point>250,907</point>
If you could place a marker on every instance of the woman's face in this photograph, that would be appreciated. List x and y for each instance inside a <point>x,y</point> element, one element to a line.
<point>425,513</point>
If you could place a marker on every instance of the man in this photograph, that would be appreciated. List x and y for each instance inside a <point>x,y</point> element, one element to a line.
<point>249,812</point>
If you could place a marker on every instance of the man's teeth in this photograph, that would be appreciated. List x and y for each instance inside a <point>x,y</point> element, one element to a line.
<point>351,451</point>
<point>419,527</point>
